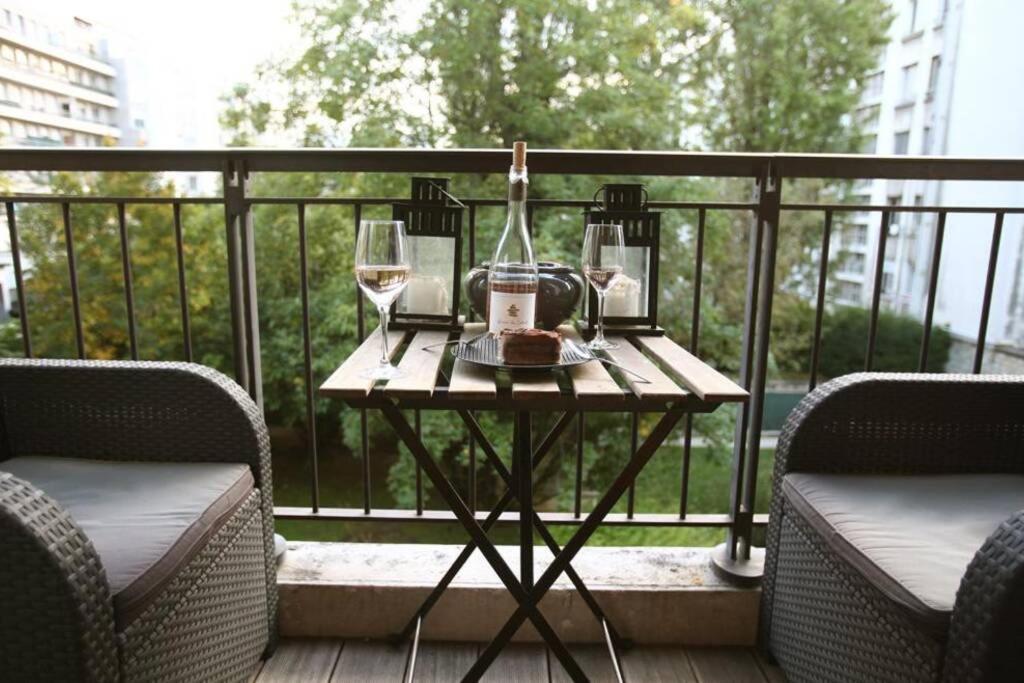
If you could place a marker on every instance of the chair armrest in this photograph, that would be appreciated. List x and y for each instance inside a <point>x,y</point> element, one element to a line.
<point>57,620</point>
<point>112,410</point>
<point>986,633</point>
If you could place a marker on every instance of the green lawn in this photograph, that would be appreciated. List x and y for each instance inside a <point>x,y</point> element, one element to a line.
<point>657,490</point>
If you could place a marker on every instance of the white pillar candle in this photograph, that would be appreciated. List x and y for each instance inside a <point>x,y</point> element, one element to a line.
<point>623,298</point>
<point>427,294</point>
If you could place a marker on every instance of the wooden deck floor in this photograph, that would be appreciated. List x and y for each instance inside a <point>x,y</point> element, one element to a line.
<point>335,661</point>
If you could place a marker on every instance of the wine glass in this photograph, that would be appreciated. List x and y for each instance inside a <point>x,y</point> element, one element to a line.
<point>604,254</point>
<point>382,271</point>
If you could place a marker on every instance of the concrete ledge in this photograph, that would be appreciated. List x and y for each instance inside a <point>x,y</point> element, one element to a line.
<point>652,595</point>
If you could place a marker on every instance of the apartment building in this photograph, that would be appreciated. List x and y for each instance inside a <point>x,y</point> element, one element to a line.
<point>947,84</point>
<point>57,85</point>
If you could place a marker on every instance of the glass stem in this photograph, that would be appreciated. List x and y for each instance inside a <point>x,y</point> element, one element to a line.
<point>384,355</point>
<point>600,318</point>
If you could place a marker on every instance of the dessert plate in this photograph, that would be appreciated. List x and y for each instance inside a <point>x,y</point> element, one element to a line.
<point>484,351</point>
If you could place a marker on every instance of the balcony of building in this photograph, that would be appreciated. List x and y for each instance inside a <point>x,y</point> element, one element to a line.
<point>683,610</point>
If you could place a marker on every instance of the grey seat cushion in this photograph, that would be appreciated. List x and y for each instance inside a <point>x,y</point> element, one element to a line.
<point>145,519</point>
<point>911,536</point>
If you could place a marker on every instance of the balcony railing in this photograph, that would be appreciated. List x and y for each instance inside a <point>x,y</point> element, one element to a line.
<point>765,173</point>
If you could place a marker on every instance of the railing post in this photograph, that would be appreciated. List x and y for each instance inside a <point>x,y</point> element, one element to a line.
<point>241,253</point>
<point>737,559</point>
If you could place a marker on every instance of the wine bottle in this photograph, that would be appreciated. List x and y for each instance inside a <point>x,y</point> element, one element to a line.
<point>513,279</point>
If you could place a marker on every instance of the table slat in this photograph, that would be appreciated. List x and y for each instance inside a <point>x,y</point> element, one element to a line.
<point>591,379</point>
<point>660,386</point>
<point>471,381</point>
<point>419,366</point>
<point>698,376</point>
<point>537,384</point>
<point>346,382</point>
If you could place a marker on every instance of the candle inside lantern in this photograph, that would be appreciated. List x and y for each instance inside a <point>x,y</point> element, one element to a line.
<point>426,294</point>
<point>623,298</point>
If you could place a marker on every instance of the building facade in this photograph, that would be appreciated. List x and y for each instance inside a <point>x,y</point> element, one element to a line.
<point>59,86</point>
<point>947,84</point>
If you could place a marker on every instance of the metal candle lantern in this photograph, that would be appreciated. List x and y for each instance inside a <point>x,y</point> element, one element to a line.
<point>631,306</point>
<point>433,225</point>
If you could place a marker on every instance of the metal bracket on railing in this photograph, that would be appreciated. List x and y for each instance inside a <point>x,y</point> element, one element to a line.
<point>242,278</point>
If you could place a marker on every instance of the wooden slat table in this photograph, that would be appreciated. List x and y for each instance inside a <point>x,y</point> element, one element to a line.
<point>659,377</point>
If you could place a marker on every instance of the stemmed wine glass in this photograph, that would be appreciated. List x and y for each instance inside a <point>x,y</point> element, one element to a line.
<point>604,255</point>
<point>382,271</point>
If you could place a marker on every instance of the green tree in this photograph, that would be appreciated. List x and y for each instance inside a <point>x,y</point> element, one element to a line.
<point>564,73</point>
<point>97,249</point>
<point>786,75</point>
<point>620,74</point>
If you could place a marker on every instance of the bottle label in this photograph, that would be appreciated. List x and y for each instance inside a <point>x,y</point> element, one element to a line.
<point>511,311</point>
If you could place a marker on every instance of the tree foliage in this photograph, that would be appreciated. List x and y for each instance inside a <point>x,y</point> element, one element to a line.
<point>786,76</point>
<point>729,75</point>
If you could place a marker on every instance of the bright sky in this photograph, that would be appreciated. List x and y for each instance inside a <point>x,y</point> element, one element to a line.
<point>183,55</point>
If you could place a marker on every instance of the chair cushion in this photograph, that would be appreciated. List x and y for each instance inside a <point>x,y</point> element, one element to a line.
<point>910,536</point>
<point>145,519</point>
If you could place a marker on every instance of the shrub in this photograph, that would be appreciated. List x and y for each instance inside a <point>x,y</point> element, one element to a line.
<point>897,343</point>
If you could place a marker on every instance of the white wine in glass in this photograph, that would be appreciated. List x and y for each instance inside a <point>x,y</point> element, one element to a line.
<point>382,271</point>
<point>604,254</point>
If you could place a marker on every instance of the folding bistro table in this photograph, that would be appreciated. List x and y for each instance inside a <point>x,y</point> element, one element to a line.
<point>686,385</point>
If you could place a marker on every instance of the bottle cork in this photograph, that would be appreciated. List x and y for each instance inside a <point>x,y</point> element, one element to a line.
<point>519,155</point>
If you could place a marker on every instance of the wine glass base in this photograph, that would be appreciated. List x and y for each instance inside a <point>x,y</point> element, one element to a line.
<point>601,345</point>
<point>381,372</point>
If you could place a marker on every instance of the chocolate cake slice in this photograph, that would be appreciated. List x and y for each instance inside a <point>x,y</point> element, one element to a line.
<point>530,347</point>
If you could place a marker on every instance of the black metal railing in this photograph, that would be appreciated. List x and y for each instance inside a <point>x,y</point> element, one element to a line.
<point>766,173</point>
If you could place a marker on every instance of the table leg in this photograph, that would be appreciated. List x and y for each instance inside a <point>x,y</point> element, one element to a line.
<point>523,451</point>
<point>511,480</point>
<point>527,605</point>
<point>586,530</point>
<point>542,451</point>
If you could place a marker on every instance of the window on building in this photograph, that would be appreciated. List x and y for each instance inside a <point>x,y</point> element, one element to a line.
<point>6,52</point>
<point>868,116</point>
<point>873,86</point>
<point>849,292</point>
<point>933,74</point>
<point>887,283</point>
<point>854,263</point>
<point>912,16</point>
<point>918,216</point>
<point>869,145</point>
<point>901,142</point>
<point>926,140</point>
<point>907,82</point>
<point>858,235</point>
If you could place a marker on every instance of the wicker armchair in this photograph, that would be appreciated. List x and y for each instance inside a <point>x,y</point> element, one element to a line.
<point>825,617</point>
<point>215,616</point>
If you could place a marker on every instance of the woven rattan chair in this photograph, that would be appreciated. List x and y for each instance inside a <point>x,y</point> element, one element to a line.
<point>895,549</point>
<point>214,615</point>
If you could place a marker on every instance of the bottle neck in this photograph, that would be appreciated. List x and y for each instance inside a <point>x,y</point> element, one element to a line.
<point>517,190</point>
<point>517,183</point>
